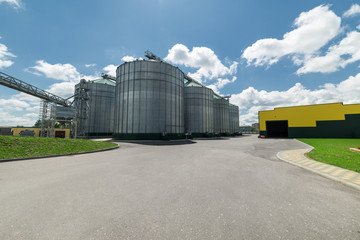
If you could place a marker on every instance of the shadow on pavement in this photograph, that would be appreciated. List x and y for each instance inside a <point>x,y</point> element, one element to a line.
<point>158,142</point>
<point>214,138</point>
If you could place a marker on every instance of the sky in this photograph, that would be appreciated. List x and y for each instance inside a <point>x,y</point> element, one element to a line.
<point>265,54</point>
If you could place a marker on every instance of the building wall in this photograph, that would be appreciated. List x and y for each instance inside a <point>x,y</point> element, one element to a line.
<point>255,126</point>
<point>334,120</point>
<point>245,128</point>
<point>5,131</point>
<point>16,131</point>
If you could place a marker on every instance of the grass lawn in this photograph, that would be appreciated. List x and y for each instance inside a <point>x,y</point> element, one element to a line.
<point>20,147</point>
<point>335,152</point>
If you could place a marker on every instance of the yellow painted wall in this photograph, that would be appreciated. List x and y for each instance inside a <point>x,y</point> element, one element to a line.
<point>16,131</point>
<point>306,116</point>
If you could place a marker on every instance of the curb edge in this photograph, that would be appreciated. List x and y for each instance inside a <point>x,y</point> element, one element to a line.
<point>339,180</point>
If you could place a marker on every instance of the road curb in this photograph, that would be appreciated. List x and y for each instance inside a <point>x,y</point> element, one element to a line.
<point>61,155</point>
<point>297,157</point>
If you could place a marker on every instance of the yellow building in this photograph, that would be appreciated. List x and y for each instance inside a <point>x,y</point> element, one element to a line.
<point>35,132</point>
<point>334,120</point>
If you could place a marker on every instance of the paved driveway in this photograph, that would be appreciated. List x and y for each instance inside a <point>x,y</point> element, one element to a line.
<point>211,189</point>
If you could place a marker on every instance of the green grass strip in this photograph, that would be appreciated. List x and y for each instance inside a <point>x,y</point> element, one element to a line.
<point>22,147</point>
<point>335,152</point>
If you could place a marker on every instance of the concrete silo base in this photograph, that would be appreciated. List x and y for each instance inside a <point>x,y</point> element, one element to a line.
<point>201,135</point>
<point>148,136</point>
<point>97,134</point>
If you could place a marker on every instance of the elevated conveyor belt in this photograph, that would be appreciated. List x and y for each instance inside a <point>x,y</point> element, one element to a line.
<point>24,87</point>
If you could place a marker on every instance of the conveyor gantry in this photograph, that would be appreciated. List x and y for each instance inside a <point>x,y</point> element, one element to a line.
<point>24,87</point>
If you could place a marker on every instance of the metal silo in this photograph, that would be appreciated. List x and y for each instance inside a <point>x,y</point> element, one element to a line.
<point>149,102</point>
<point>199,107</point>
<point>234,119</point>
<point>221,116</point>
<point>94,103</point>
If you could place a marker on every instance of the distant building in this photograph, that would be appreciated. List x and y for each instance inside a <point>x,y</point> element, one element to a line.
<point>333,120</point>
<point>255,127</point>
<point>245,128</point>
<point>5,131</point>
<point>30,131</point>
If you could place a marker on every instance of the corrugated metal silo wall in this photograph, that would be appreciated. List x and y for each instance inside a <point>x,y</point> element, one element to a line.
<point>221,116</point>
<point>100,120</point>
<point>234,119</point>
<point>149,101</point>
<point>65,112</point>
<point>199,108</point>
<point>95,116</point>
<point>101,109</point>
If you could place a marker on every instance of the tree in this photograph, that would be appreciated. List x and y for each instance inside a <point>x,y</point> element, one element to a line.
<point>37,124</point>
<point>47,124</point>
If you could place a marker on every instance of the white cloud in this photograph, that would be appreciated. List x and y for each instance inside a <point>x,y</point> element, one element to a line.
<point>110,69</point>
<point>20,109</point>
<point>354,10</point>
<point>313,30</point>
<point>64,72</point>
<point>9,119</point>
<point>358,27</point>
<point>128,59</point>
<point>4,55</point>
<point>63,89</point>
<point>13,104</point>
<point>27,98</point>
<point>251,100</point>
<point>220,83</point>
<point>338,56</point>
<point>66,89</point>
<point>5,63</point>
<point>90,65</point>
<point>31,115</point>
<point>208,64</point>
<point>14,3</point>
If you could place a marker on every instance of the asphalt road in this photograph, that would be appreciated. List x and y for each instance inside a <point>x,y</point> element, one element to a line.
<point>211,189</point>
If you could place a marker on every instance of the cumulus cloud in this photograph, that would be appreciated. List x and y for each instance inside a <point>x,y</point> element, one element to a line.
<point>14,3</point>
<point>19,109</point>
<point>338,56</point>
<point>67,73</point>
<point>354,10</point>
<point>9,119</point>
<point>90,65</point>
<point>251,100</point>
<point>66,89</point>
<point>13,104</point>
<point>313,30</point>
<point>220,83</point>
<point>128,59</point>
<point>63,89</point>
<point>110,69</point>
<point>64,72</point>
<point>4,56</point>
<point>204,59</point>
<point>27,98</point>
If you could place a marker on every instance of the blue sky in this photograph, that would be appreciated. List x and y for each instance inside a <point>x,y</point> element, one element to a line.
<point>265,54</point>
